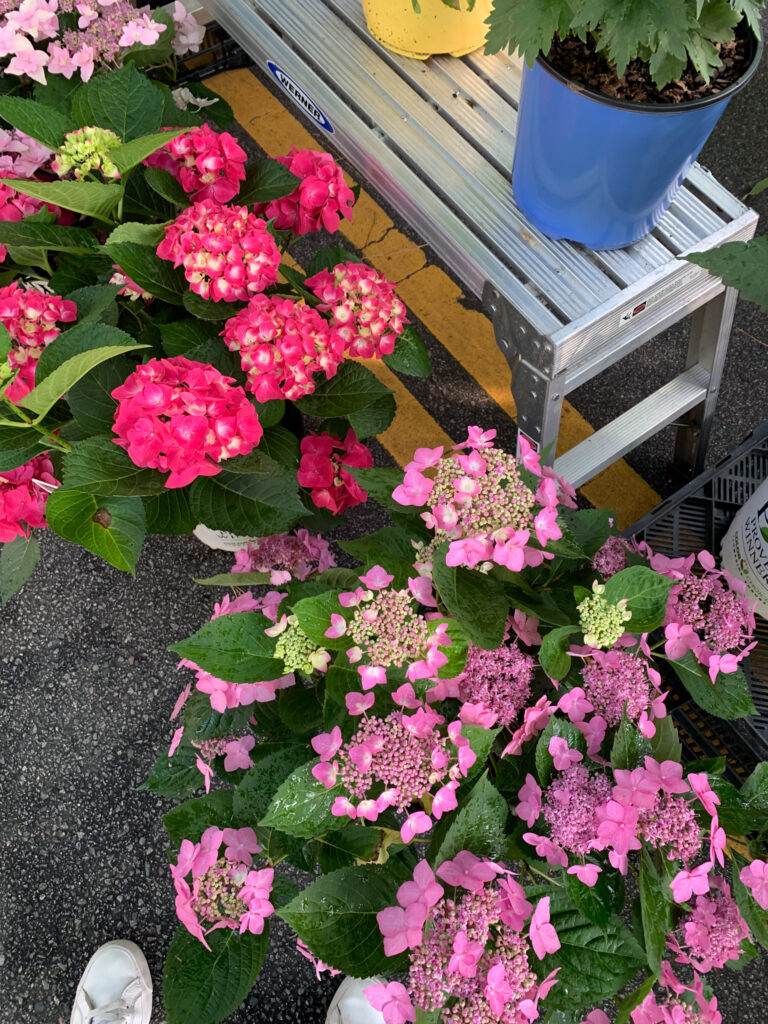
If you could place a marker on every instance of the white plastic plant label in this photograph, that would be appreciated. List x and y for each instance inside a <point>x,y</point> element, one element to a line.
<point>745,548</point>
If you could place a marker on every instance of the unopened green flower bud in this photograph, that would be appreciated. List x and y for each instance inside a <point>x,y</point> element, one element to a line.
<point>298,652</point>
<point>86,150</point>
<point>601,622</point>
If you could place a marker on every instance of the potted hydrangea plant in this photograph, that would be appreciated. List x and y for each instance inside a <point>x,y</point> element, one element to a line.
<point>157,351</point>
<point>420,28</point>
<point>616,105</point>
<point>465,745</point>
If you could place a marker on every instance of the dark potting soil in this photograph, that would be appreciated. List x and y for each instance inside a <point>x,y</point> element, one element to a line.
<point>579,62</point>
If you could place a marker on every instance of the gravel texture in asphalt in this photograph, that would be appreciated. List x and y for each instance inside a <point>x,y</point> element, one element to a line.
<point>87,686</point>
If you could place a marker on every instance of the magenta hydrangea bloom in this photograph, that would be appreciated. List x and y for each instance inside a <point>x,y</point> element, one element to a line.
<point>183,418</point>
<point>207,164</point>
<point>571,805</point>
<point>500,680</point>
<point>227,253</point>
<point>320,200</point>
<point>322,469</point>
<point>23,495</point>
<point>31,318</point>
<point>363,307</point>
<point>469,955</point>
<point>282,345</point>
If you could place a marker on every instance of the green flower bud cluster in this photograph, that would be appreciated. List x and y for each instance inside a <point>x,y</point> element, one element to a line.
<point>298,652</point>
<point>601,622</point>
<point>87,150</point>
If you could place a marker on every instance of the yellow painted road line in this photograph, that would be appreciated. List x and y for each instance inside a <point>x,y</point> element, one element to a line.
<point>431,295</point>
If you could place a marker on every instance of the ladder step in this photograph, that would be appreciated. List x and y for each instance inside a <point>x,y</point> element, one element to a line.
<point>633,427</point>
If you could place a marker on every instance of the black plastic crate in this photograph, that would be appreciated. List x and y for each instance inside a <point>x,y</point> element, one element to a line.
<point>697,517</point>
<point>218,53</point>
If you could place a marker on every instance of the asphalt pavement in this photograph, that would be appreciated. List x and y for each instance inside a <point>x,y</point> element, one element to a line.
<point>87,686</point>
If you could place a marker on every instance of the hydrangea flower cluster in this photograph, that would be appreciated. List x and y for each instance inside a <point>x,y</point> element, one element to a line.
<point>85,150</point>
<point>469,956</point>
<point>323,469</point>
<point>225,890</point>
<point>387,630</point>
<point>207,164</point>
<point>707,613</point>
<point>712,933</point>
<point>286,556</point>
<point>395,762</point>
<point>222,694</point>
<point>320,200</point>
<point>63,37</point>
<point>618,682</point>
<point>478,501</point>
<point>363,306</point>
<point>183,418</point>
<point>496,683</point>
<point>31,318</point>
<point>282,345</point>
<point>227,253</point>
<point>22,499</point>
<point>586,813</point>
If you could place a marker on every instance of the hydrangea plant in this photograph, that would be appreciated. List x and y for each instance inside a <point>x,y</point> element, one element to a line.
<point>158,351</point>
<point>465,744</point>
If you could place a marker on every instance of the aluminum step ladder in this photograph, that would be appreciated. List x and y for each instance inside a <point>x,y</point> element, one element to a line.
<point>436,139</point>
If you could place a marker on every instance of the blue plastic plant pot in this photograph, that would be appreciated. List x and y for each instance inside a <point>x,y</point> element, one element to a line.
<point>602,171</point>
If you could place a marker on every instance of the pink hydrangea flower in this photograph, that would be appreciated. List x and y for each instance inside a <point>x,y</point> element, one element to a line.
<point>543,935</point>
<point>207,164</point>
<point>320,200</point>
<point>23,495</point>
<point>529,807</point>
<point>183,418</point>
<point>363,308</point>
<point>401,927</point>
<point>226,252</point>
<point>31,318</point>
<point>322,470</point>
<point>286,556</point>
<point>687,883</point>
<point>224,893</point>
<point>188,32</point>
<point>562,755</point>
<point>282,346</point>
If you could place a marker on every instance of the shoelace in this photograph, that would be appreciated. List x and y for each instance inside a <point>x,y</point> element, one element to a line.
<point>114,1012</point>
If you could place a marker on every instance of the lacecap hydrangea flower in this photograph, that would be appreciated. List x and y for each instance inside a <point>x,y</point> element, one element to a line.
<point>286,556</point>
<point>282,344</point>
<point>320,200</point>
<point>207,164</point>
<point>478,500</point>
<point>470,956</point>
<point>227,253</point>
<point>226,891</point>
<point>183,418</point>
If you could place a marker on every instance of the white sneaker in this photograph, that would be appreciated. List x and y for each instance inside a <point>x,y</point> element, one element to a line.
<point>115,987</point>
<point>350,1006</point>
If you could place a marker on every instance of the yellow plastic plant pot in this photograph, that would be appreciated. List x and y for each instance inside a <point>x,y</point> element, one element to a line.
<point>436,28</point>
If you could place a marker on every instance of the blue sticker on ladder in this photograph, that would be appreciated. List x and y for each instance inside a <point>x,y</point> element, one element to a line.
<point>299,97</point>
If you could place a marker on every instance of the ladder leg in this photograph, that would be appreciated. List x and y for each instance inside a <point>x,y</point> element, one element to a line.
<point>708,346</point>
<point>539,402</point>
